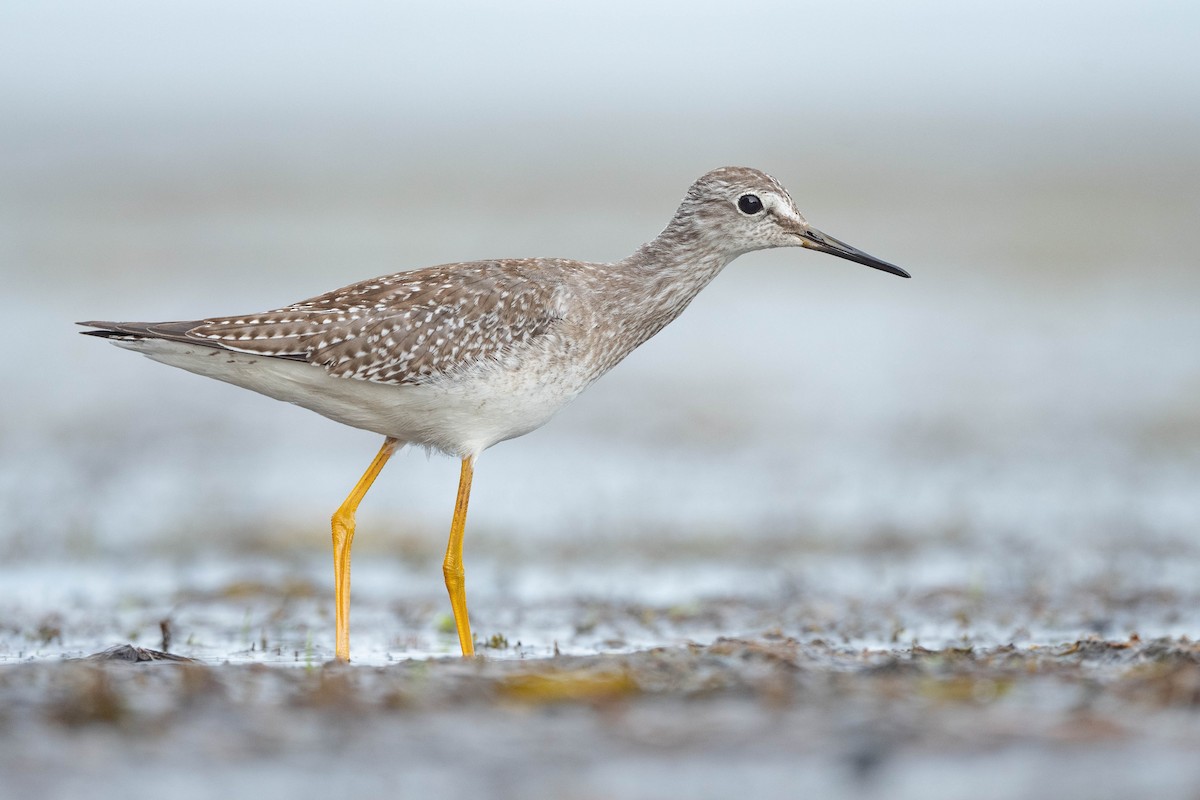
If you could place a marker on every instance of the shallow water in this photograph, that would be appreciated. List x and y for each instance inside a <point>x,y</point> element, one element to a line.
<point>889,666</point>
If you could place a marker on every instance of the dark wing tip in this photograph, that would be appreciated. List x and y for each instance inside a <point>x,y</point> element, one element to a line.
<point>110,335</point>
<point>171,332</point>
<point>160,330</point>
<point>107,330</point>
<point>177,331</point>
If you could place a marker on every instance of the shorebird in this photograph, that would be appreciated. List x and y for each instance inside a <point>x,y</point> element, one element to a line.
<point>459,357</point>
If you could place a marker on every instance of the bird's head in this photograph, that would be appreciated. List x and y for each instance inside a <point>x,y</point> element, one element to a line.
<point>749,210</point>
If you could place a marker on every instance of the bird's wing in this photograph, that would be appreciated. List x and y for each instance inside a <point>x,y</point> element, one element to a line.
<point>404,328</point>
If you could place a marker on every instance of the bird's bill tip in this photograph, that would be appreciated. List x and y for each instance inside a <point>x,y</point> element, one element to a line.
<point>814,239</point>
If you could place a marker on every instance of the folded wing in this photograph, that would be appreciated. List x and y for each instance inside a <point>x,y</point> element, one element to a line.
<point>410,327</point>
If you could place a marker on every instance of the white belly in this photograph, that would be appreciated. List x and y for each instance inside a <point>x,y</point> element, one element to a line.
<point>460,416</point>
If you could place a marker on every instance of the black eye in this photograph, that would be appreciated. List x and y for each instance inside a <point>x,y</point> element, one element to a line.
<point>749,204</point>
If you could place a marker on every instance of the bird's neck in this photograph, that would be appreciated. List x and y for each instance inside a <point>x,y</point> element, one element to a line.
<point>666,274</point>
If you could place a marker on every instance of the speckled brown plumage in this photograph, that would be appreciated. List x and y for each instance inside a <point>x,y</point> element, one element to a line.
<point>402,328</point>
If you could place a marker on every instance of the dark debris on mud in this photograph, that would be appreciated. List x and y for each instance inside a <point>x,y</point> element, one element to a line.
<point>695,720</point>
<point>129,686</point>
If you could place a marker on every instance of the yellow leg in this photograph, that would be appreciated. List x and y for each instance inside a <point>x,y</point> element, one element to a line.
<point>452,567</point>
<point>343,537</point>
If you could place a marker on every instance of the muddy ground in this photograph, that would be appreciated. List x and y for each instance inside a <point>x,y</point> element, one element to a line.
<point>1019,681</point>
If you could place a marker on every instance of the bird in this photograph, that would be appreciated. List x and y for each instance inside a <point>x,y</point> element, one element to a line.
<point>459,357</point>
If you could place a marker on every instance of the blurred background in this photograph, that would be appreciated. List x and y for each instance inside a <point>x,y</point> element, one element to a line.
<point>1032,393</point>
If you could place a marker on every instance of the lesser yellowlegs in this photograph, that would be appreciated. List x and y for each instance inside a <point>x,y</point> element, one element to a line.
<point>461,356</point>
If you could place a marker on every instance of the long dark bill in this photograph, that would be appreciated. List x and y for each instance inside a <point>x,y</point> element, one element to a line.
<point>813,239</point>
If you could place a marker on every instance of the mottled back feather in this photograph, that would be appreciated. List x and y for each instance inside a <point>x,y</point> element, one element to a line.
<point>404,328</point>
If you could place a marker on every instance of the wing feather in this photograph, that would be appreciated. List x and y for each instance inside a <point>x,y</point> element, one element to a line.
<point>409,327</point>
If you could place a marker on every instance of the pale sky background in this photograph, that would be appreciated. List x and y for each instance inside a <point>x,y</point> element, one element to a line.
<point>463,69</point>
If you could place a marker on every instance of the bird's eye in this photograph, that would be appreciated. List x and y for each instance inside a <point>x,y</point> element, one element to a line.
<point>749,204</point>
